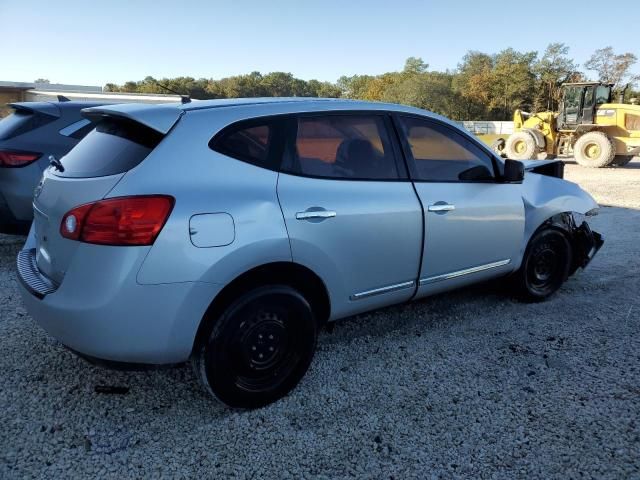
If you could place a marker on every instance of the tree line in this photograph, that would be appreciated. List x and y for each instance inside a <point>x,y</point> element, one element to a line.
<point>482,87</point>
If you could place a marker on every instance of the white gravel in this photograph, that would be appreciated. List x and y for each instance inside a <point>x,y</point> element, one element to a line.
<point>466,384</point>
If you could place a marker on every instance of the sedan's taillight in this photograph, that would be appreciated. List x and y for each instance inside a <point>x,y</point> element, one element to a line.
<point>118,221</point>
<point>10,158</point>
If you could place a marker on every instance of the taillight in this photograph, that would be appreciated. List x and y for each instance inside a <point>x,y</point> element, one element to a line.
<point>118,221</point>
<point>9,158</point>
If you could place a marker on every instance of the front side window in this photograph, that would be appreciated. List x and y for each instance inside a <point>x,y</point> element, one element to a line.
<point>442,155</point>
<point>355,147</point>
<point>603,93</point>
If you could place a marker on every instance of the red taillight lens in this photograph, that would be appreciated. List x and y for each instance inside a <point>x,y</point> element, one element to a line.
<point>10,158</point>
<point>118,221</point>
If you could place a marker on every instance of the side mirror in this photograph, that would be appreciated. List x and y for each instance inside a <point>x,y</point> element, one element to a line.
<point>513,171</point>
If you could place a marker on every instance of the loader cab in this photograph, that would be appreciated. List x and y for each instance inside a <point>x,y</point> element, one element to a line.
<point>579,103</point>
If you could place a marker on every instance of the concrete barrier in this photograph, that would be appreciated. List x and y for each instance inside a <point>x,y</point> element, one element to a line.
<point>482,127</point>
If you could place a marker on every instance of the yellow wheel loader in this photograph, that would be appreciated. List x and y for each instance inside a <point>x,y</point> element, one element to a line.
<point>588,127</point>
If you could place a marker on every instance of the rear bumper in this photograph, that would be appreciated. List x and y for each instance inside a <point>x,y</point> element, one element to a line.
<point>99,311</point>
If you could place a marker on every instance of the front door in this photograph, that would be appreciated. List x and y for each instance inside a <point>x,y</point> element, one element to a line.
<point>474,225</point>
<point>350,212</point>
<point>588,105</point>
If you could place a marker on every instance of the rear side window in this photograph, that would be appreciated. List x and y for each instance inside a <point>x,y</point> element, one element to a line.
<point>258,142</point>
<point>352,147</point>
<point>21,122</point>
<point>115,146</point>
<point>78,130</point>
<point>440,154</point>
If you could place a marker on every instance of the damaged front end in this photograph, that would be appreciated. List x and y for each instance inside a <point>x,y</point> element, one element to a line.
<point>586,244</point>
<point>584,241</point>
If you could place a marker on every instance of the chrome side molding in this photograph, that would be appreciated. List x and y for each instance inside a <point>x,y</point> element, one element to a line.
<point>466,271</point>
<point>378,291</point>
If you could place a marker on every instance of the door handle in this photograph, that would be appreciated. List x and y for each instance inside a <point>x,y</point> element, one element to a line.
<point>441,207</point>
<point>315,214</point>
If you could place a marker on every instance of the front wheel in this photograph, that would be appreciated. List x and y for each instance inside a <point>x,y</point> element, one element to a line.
<point>259,348</point>
<point>545,266</point>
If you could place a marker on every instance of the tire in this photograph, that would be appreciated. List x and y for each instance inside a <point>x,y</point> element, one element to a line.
<point>259,348</point>
<point>521,146</point>
<point>621,160</point>
<point>546,265</point>
<point>594,150</point>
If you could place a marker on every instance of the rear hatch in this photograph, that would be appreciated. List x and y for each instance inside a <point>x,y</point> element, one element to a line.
<point>26,117</point>
<point>90,171</point>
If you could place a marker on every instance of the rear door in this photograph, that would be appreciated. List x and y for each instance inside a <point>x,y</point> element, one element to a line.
<point>350,212</point>
<point>473,224</point>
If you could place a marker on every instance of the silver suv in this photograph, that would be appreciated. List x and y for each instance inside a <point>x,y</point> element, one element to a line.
<point>229,232</point>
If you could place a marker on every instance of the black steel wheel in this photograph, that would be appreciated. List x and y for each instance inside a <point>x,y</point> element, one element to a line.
<point>259,348</point>
<point>545,265</point>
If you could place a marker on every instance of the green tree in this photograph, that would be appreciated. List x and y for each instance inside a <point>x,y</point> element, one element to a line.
<point>613,68</point>
<point>552,70</point>
<point>512,81</point>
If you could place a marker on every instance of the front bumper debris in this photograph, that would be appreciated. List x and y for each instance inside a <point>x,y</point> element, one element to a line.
<point>586,244</point>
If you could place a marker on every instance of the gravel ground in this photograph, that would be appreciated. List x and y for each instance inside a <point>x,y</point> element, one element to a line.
<point>466,384</point>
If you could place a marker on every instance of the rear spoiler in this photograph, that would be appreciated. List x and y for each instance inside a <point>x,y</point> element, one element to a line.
<point>44,108</point>
<point>160,118</point>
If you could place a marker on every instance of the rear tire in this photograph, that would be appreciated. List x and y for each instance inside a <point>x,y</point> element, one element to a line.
<point>545,266</point>
<point>621,160</point>
<point>521,146</point>
<point>594,150</point>
<point>259,348</point>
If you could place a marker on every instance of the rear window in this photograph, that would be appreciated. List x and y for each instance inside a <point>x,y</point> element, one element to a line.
<point>115,146</point>
<point>21,122</point>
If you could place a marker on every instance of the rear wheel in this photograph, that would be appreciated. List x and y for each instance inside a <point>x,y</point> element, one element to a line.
<point>545,265</point>
<point>594,150</point>
<point>259,348</point>
<point>621,160</point>
<point>521,146</point>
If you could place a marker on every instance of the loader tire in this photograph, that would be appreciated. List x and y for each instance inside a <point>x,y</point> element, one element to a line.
<point>594,150</point>
<point>621,160</point>
<point>521,146</point>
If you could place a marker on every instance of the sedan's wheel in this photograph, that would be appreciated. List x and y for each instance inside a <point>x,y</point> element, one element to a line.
<point>259,348</point>
<point>545,265</point>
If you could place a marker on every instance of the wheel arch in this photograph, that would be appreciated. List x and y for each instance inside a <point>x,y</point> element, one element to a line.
<point>302,278</point>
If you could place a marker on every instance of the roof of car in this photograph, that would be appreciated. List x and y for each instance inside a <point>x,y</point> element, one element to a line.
<point>300,102</point>
<point>162,117</point>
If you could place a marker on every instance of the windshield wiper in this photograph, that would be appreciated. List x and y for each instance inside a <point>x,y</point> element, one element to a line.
<point>57,164</point>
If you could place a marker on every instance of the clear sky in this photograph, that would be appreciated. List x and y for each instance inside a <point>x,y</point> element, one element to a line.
<point>93,43</point>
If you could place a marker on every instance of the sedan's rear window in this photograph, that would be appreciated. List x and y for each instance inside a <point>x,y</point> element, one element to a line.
<point>115,146</point>
<point>22,122</point>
